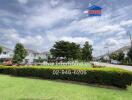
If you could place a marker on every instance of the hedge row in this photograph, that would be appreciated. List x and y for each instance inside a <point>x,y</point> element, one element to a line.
<point>103,76</point>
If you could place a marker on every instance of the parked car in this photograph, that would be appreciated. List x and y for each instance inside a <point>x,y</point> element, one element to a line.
<point>115,62</point>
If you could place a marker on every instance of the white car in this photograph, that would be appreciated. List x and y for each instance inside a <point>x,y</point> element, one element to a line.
<point>115,62</point>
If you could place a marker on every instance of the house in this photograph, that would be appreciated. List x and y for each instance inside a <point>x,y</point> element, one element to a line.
<point>7,54</point>
<point>124,49</point>
<point>32,56</point>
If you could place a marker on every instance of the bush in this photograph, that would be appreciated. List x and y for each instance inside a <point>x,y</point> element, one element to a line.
<point>103,76</point>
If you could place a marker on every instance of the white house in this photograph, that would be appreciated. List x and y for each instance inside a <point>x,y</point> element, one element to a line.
<point>33,55</point>
<point>30,58</point>
<point>6,53</point>
<point>124,49</point>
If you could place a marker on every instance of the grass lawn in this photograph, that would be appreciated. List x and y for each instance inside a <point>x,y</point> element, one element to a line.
<point>16,88</point>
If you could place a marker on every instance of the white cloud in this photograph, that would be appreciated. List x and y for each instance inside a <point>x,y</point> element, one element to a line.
<point>23,1</point>
<point>62,21</point>
<point>111,42</point>
<point>126,23</point>
<point>47,16</point>
<point>54,2</point>
<point>79,40</point>
<point>14,37</point>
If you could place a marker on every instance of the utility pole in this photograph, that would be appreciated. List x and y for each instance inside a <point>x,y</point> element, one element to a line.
<point>130,37</point>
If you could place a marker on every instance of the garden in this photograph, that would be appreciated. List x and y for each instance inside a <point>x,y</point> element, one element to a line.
<point>102,76</point>
<point>63,80</point>
<point>67,83</point>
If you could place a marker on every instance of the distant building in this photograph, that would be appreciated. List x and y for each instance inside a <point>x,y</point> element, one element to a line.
<point>7,54</point>
<point>124,49</point>
<point>32,56</point>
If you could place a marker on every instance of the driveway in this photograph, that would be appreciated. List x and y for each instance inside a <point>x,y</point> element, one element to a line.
<point>113,65</point>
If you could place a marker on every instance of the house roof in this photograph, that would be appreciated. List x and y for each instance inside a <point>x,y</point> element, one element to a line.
<point>46,52</point>
<point>31,51</point>
<point>5,48</point>
<point>28,50</point>
<point>116,51</point>
<point>94,7</point>
<point>122,49</point>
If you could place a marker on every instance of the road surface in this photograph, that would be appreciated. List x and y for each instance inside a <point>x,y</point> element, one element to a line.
<point>113,65</point>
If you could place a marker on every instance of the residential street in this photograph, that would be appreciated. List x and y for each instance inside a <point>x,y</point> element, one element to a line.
<point>113,65</point>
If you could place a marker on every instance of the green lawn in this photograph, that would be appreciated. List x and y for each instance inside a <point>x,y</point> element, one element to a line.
<point>16,88</point>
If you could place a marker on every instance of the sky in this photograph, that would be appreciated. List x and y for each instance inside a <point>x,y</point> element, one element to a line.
<point>38,24</point>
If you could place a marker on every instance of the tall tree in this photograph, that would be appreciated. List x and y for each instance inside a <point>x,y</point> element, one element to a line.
<point>19,53</point>
<point>114,56</point>
<point>130,54</point>
<point>87,52</point>
<point>121,56</point>
<point>65,49</point>
<point>1,50</point>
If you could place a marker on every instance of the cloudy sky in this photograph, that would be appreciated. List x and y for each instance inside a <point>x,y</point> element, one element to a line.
<point>39,23</point>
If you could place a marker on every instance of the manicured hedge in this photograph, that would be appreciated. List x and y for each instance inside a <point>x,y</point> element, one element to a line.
<point>103,76</point>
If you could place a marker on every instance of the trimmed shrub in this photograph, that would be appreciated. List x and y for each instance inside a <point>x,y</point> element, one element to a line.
<point>103,76</point>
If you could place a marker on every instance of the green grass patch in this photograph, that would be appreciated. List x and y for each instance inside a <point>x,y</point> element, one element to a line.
<point>16,88</point>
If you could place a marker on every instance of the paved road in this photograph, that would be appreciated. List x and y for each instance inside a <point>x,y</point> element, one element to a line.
<point>113,65</point>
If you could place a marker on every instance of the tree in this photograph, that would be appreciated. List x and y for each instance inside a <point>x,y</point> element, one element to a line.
<point>121,56</point>
<point>65,49</point>
<point>130,54</point>
<point>19,53</point>
<point>1,50</point>
<point>39,60</point>
<point>118,56</point>
<point>87,52</point>
<point>114,56</point>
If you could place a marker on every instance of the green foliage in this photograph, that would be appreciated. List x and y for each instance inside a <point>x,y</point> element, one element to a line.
<point>114,56</point>
<point>19,53</point>
<point>121,56</point>
<point>66,49</point>
<point>1,50</point>
<point>39,60</point>
<point>130,54</point>
<point>103,76</point>
<point>118,56</point>
<point>87,52</point>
